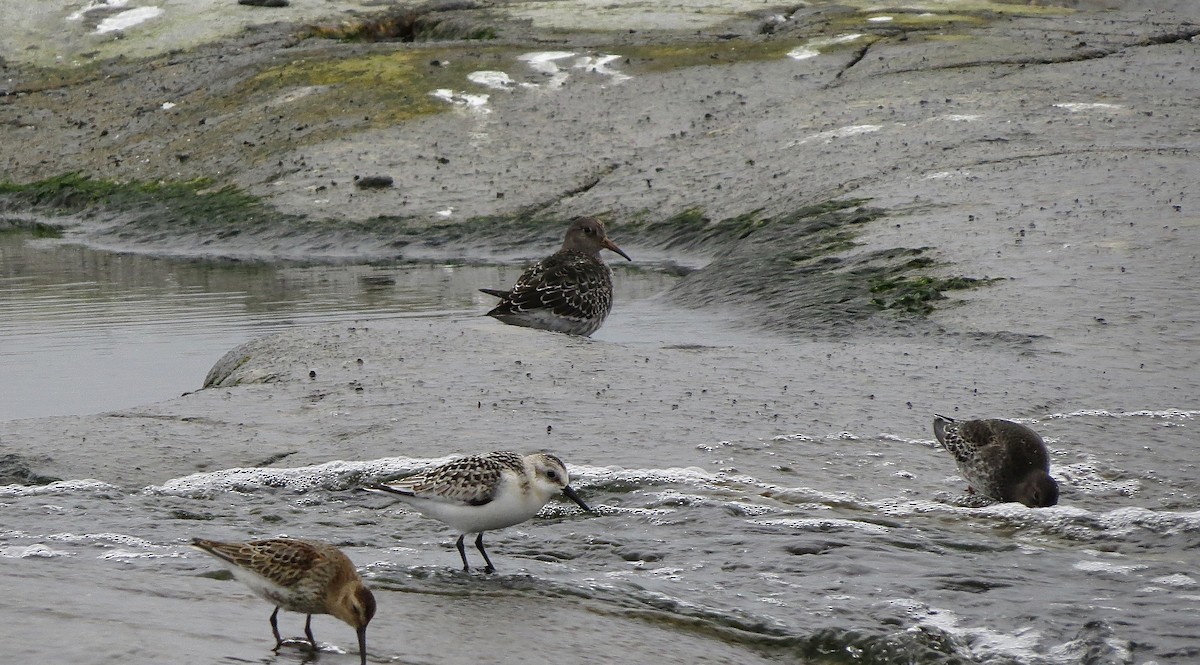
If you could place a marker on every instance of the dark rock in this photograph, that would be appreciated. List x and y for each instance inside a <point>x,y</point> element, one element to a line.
<point>373,182</point>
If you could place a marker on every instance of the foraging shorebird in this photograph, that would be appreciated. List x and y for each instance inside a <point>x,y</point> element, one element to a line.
<point>1000,459</point>
<point>305,576</point>
<point>569,291</point>
<point>483,493</point>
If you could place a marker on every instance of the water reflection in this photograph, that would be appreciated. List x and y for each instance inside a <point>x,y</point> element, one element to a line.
<point>83,331</point>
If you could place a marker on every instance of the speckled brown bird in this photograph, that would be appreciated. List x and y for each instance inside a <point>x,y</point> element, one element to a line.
<point>1000,459</point>
<point>569,291</point>
<point>304,576</point>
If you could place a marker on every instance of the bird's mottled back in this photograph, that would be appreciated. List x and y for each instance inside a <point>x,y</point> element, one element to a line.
<point>473,479</point>
<point>569,291</point>
<point>1000,459</point>
<point>283,561</point>
<point>307,576</point>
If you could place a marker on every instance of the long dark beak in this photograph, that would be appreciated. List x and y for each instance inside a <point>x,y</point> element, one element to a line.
<point>608,244</point>
<point>575,497</point>
<point>362,644</point>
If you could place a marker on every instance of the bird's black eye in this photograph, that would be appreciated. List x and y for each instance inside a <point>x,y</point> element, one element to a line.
<point>552,474</point>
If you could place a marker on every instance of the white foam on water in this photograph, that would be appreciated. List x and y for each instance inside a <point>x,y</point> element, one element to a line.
<point>337,473</point>
<point>37,551</point>
<point>691,476</point>
<point>1166,414</point>
<point>126,555</point>
<point>127,19</point>
<point>1178,580</point>
<point>822,524</point>
<point>1086,478</point>
<point>924,443</point>
<point>984,644</point>
<point>59,487</point>
<point>1107,567</point>
<point>115,538</point>
<point>792,437</point>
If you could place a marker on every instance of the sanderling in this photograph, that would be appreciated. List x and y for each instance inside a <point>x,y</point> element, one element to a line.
<point>299,576</point>
<point>1000,459</point>
<point>569,291</point>
<point>484,492</point>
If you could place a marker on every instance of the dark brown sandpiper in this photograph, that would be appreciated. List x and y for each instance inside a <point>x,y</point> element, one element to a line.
<point>304,576</point>
<point>569,291</point>
<point>1000,459</point>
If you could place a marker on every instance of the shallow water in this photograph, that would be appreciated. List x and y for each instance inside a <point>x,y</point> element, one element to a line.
<point>759,498</point>
<point>84,331</point>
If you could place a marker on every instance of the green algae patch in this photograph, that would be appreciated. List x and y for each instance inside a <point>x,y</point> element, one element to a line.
<point>164,213</point>
<point>383,88</point>
<point>387,88</point>
<point>36,229</point>
<point>651,58</point>
<point>907,20</point>
<point>802,271</point>
<point>916,293</point>
<point>192,202</point>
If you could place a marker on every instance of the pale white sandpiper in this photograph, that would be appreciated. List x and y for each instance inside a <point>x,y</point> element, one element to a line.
<point>482,493</point>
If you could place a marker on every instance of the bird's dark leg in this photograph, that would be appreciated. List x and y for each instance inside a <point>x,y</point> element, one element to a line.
<point>479,546</point>
<point>308,632</point>
<point>462,551</point>
<point>275,630</point>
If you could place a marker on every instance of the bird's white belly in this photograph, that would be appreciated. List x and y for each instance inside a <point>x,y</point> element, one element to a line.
<point>510,508</point>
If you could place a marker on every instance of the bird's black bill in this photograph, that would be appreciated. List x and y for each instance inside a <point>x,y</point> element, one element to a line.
<point>610,245</point>
<point>362,644</point>
<point>575,497</point>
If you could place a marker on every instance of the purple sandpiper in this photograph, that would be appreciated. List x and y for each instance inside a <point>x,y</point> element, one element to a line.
<point>1000,459</point>
<point>569,291</point>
